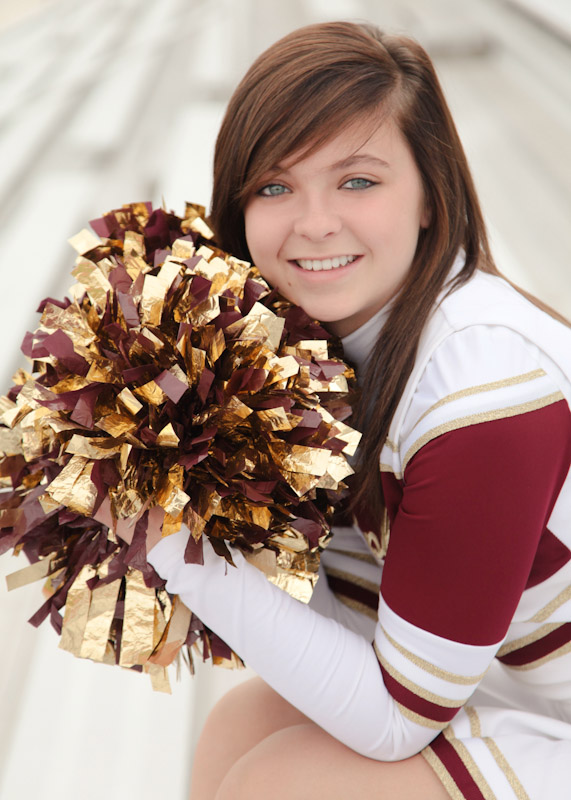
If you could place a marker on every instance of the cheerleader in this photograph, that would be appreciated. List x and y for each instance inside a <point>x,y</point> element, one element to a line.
<point>434,659</point>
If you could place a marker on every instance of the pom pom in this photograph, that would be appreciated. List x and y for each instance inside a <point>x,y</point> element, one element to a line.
<point>174,387</point>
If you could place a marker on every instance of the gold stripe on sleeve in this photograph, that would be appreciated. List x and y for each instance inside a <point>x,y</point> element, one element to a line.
<point>356,580</point>
<point>437,699</point>
<point>485,387</point>
<point>355,605</point>
<point>419,719</point>
<point>561,651</point>
<point>548,610</point>
<point>366,557</point>
<point>475,419</point>
<point>451,677</point>
<point>523,641</point>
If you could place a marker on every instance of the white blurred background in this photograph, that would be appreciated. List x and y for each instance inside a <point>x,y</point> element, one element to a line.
<point>104,102</point>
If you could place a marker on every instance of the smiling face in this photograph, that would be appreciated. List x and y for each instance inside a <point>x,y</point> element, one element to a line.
<point>336,231</point>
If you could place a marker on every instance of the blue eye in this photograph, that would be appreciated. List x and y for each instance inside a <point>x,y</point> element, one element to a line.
<point>272,190</point>
<point>358,183</point>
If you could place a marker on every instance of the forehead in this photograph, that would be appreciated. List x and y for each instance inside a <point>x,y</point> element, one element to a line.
<point>365,139</point>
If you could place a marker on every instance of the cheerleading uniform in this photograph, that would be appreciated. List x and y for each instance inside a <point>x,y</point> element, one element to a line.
<point>470,661</point>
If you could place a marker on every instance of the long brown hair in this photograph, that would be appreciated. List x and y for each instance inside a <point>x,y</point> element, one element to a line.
<point>300,93</point>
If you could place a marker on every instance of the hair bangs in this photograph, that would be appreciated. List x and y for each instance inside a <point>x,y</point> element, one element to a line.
<point>316,114</point>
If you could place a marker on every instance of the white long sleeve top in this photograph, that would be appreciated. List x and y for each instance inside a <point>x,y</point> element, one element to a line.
<point>475,476</point>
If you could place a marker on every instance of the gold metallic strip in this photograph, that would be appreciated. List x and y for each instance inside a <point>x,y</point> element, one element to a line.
<point>76,612</point>
<point>548,610</point>
<point>437,699</point>
<point>139,621</point>
<point>561,651</point>
<point>159,677</point>
<point>503,764</point>
<point>99,619</point>
<point>486,387</point>
<point>442,773</point>
<point>475,419</point>
<point>356,580</point>
<point>472,767</point>
<point>419,719</point>
<point>34,572</point>
<point>523,641</point>
<point>451,677</point>
<point>368,559</point>
<point>354,605</point>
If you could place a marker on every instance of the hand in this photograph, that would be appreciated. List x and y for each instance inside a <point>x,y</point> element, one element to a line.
<point>125,528</point>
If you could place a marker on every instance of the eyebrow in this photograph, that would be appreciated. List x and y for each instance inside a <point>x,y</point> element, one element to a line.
<point>360,159</point>
<point>344,163</point>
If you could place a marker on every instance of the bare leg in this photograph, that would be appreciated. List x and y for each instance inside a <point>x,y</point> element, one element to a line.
<point>256,745</point>
<point>304,762</point>
<point>244,717</point>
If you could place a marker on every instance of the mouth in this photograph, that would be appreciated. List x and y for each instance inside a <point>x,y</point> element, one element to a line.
<point>319,264</point>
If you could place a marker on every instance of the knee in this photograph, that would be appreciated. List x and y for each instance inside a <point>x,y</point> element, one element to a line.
<point>274,767</point>
<point>253,776</point>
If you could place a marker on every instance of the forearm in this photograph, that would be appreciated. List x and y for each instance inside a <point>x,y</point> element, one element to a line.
<point>328,672</point>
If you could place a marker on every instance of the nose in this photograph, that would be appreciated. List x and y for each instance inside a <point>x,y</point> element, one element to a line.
<point>317,220</point>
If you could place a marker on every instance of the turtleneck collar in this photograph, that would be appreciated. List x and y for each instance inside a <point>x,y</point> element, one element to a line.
<point>358,345</point>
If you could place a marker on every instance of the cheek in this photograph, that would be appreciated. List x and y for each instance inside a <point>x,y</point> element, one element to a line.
<point>252,229</point>
<point>262,240</point>
<point>262,233</point>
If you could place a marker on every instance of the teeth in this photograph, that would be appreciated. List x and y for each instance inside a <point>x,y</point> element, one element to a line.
<point>326,263</point>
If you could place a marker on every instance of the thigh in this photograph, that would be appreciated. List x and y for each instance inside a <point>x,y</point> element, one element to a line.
<point>304,762</point>
<point>241,719</point>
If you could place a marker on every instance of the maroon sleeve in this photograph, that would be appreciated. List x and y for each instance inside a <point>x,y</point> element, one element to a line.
<point>467,519</point>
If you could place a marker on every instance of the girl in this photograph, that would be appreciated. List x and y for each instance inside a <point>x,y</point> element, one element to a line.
<point>339,172</point>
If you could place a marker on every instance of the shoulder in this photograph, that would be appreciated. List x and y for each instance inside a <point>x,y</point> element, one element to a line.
<point>487,354</point>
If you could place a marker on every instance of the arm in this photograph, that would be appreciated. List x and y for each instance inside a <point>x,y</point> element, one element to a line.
<point>436,635</point>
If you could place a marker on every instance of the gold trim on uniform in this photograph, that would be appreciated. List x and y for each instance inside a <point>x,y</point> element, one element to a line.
<point>442,773</point>
<point>468,761</point>
<point>366,557</point>
<point>485,387</point>
<point>503,764</point>
<point>475,727</point>
<point>561,651</point>
<point>385,533</point>
<point>548,610</point>
<point>374,544</point>
<point>444,702</point>
<point>499,758</point>
<point>451,677</point>
<point>391,445</point>
<point>356,580</point>
<point>419,719</point>
<point>355,605</point>
<point>523,641</point>
<point>483,416</point>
